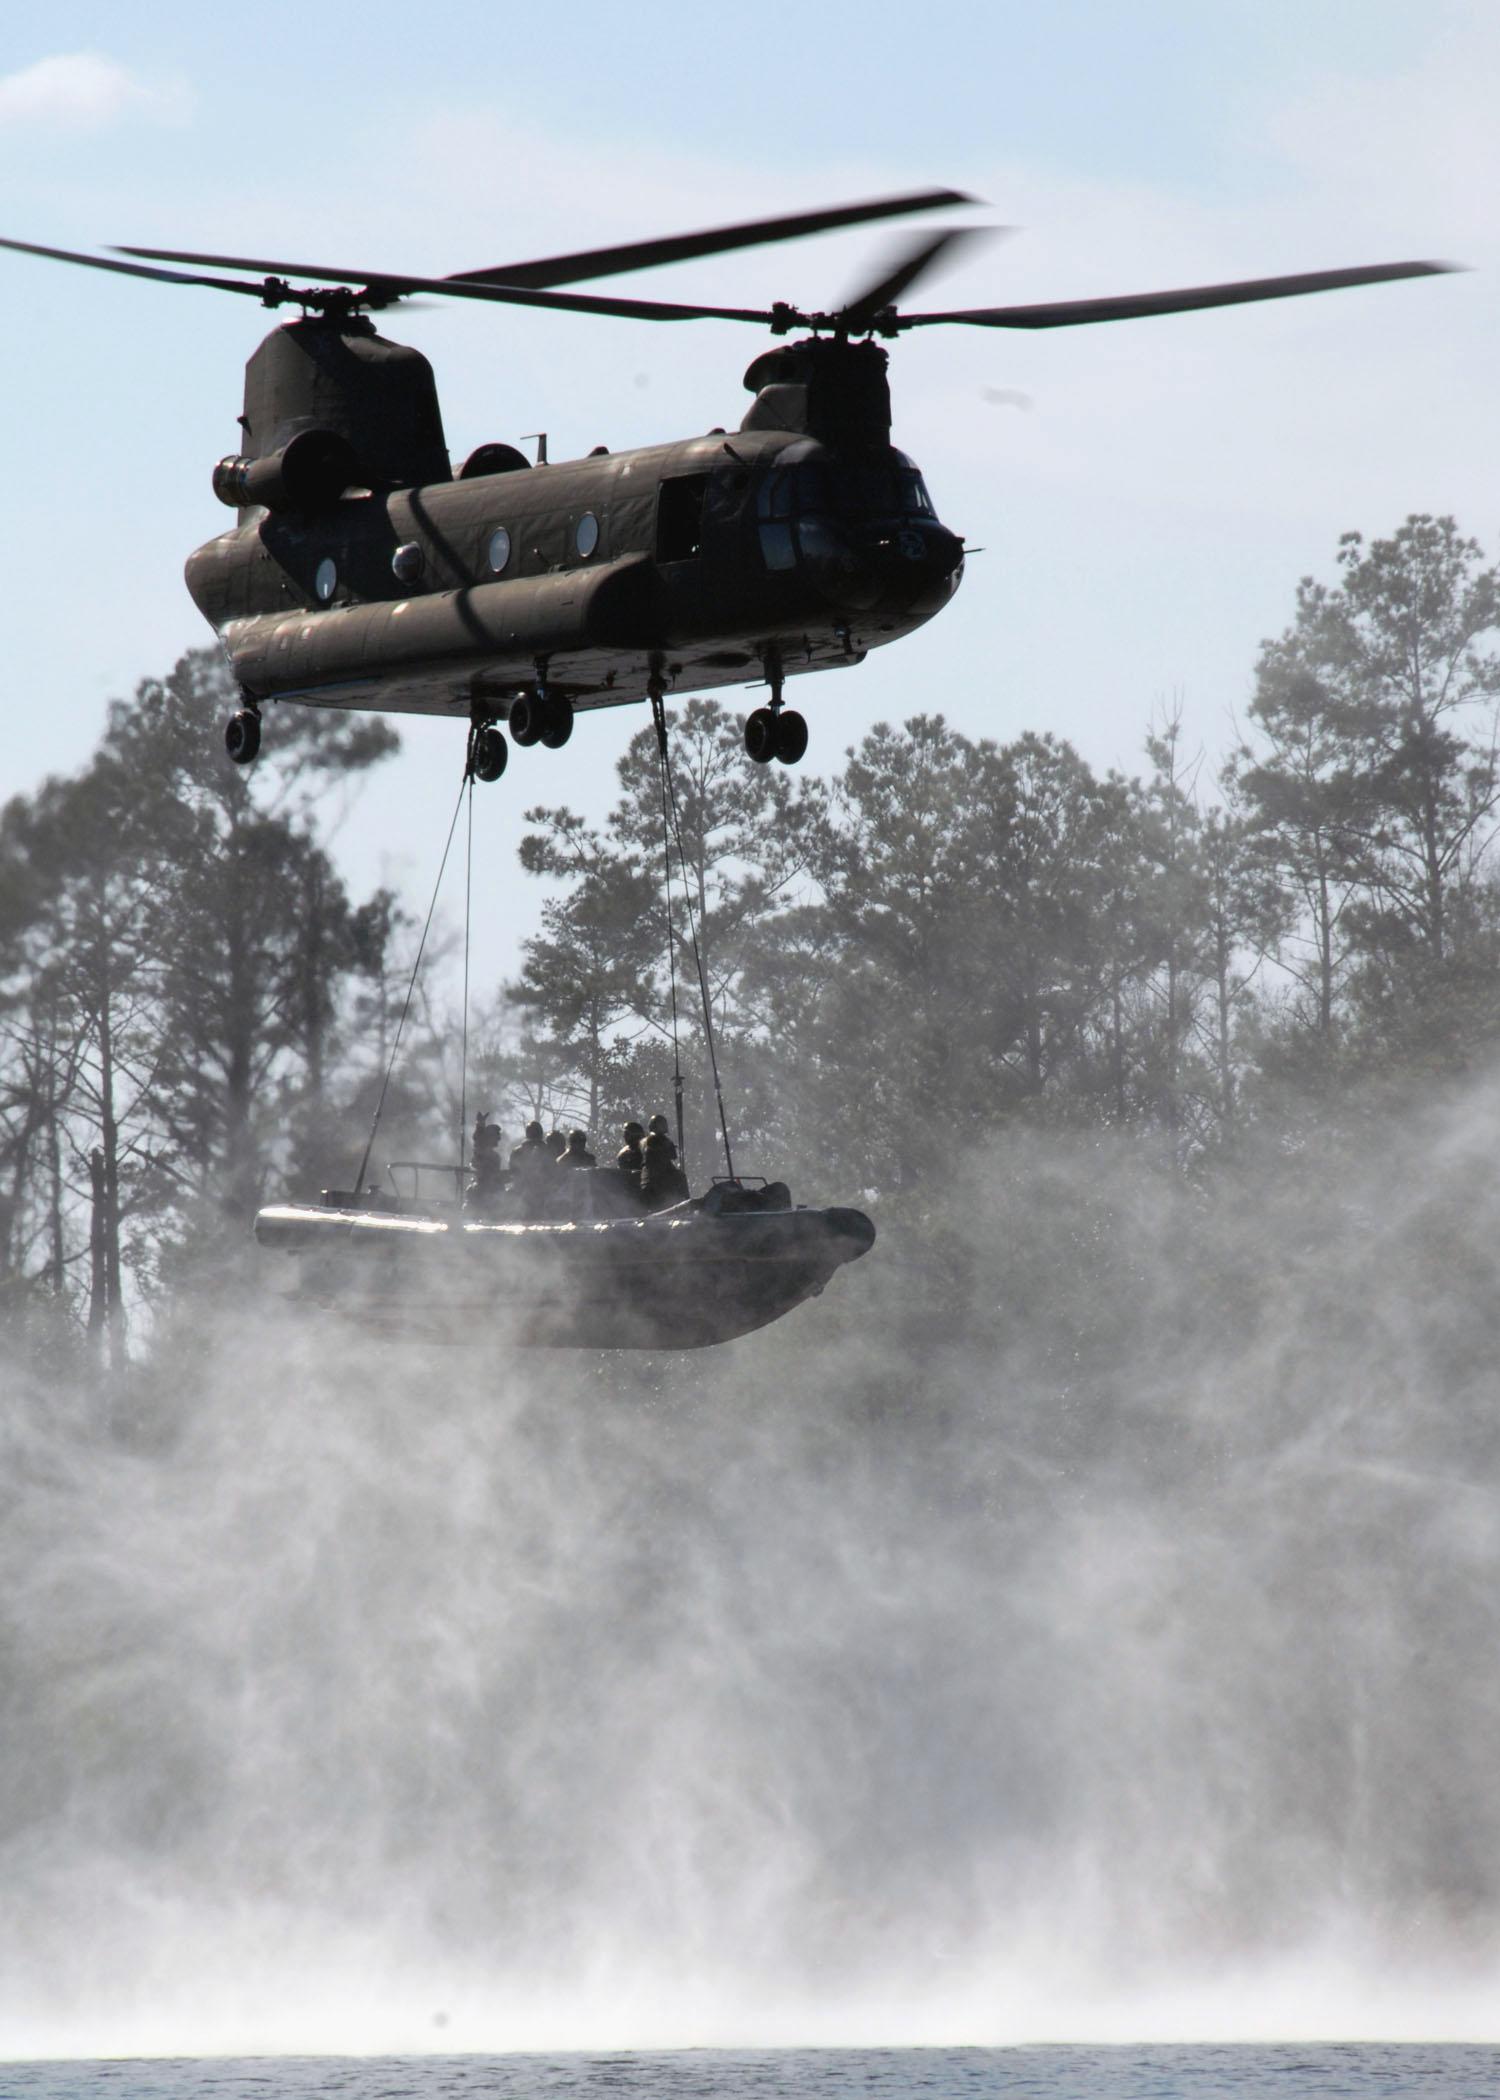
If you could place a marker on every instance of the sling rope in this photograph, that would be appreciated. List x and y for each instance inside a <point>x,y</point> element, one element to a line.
<point>666,852</point>
<point>463,1061</point>
<point>359,1179</point>
<point>669,797</point>
<point>671,830</point>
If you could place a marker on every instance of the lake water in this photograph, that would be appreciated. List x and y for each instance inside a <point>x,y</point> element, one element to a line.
<point>1352,2072</point>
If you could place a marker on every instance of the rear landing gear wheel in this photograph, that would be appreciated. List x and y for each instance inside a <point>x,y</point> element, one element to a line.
<point>760,735</point>
<point>557,721</point>
<point>242,736</point>
<point>791,736</point>
<point>490,752</point>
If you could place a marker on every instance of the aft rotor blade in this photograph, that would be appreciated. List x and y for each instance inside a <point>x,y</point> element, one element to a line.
<point>914,260</point>
<point>1134,306</point>
<point>716,240</point>
<point>102,262</point>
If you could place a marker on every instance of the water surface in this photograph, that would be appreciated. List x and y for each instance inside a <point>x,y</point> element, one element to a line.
<point>1226,2072</point>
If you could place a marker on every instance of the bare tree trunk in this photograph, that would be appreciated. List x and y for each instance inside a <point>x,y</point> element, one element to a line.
<point>109,1131</point>
<point>1223,962</point>
<point>239,1161</point>
<point>1117,1045</point>
<point>1325,955</point>
<point>1173,1115</point>
<point>98,1266</point>
<point>57,1264</point>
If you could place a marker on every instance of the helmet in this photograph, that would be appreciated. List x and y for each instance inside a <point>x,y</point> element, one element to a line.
<point>659,1125</point>
<point>535,1135</point>
<point>634,1132</point>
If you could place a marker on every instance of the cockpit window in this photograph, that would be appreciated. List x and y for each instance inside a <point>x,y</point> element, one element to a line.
<point>843,491</point>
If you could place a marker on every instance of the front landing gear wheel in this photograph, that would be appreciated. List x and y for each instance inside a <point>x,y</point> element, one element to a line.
<point>490,752</point>
<point>760,735</point>
<point>791,736</point>
<point>525,719</point>
<point>242,736</point>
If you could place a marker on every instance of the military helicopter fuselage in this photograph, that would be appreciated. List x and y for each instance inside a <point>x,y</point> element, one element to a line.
<point>364,573</point>
<point>796,544</point>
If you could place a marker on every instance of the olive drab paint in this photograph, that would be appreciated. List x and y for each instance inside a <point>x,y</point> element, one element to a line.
<point>363,572</point>
<point>696,564</point>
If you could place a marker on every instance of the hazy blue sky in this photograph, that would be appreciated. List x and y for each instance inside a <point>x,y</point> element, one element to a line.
<point>1145,518</point>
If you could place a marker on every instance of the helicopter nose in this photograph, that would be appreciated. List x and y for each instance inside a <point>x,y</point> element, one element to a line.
<point>945,552</point>
<point>917,561</point>
<point>931,550</point>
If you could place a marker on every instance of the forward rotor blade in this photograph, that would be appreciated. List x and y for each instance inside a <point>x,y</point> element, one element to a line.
<point>1134,306</point>
<point>912,261</point>
<point>583,302</point>
<point>101,262</point>
<point>322,274</point>
<point>596,262</point>
<point>717,240</point>
<point>389,288</point>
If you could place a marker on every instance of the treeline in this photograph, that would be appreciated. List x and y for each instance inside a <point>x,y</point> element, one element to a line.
<point>189,1000</point>
<point>950,934</point>
<point>945,937</point>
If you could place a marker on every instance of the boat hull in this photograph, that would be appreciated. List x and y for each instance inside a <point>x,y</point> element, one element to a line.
<point>681,1279</point>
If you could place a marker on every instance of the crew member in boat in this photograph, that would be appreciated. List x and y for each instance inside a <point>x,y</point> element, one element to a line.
<point>531,1175</point>
<point>659,1127</point>
<point>531,1152</point>
<point>575,1152</point>
<point>629,1159</point>
<point>662,1180</point>
<point>488,1181</point>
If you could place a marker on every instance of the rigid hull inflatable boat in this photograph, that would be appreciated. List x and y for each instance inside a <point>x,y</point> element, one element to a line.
<point>684,1278</point>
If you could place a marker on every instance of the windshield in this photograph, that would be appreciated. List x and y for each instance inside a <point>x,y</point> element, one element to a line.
<point>893,489</point>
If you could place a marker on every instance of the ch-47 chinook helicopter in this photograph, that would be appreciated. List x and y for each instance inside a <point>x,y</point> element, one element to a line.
<point>364,572</point>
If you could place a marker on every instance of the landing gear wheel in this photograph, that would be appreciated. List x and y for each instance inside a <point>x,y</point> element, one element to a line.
<point>242,736</point>
<point>791,736</point>
<point>557,721</point>
<point>490,752</point>
<point>760,735</point>
<point>527,714</point>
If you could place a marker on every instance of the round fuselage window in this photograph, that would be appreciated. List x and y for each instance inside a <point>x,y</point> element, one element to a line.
<point>407,563</point>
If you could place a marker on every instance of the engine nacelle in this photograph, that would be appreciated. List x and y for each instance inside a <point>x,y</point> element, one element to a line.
<point>310,472</point>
